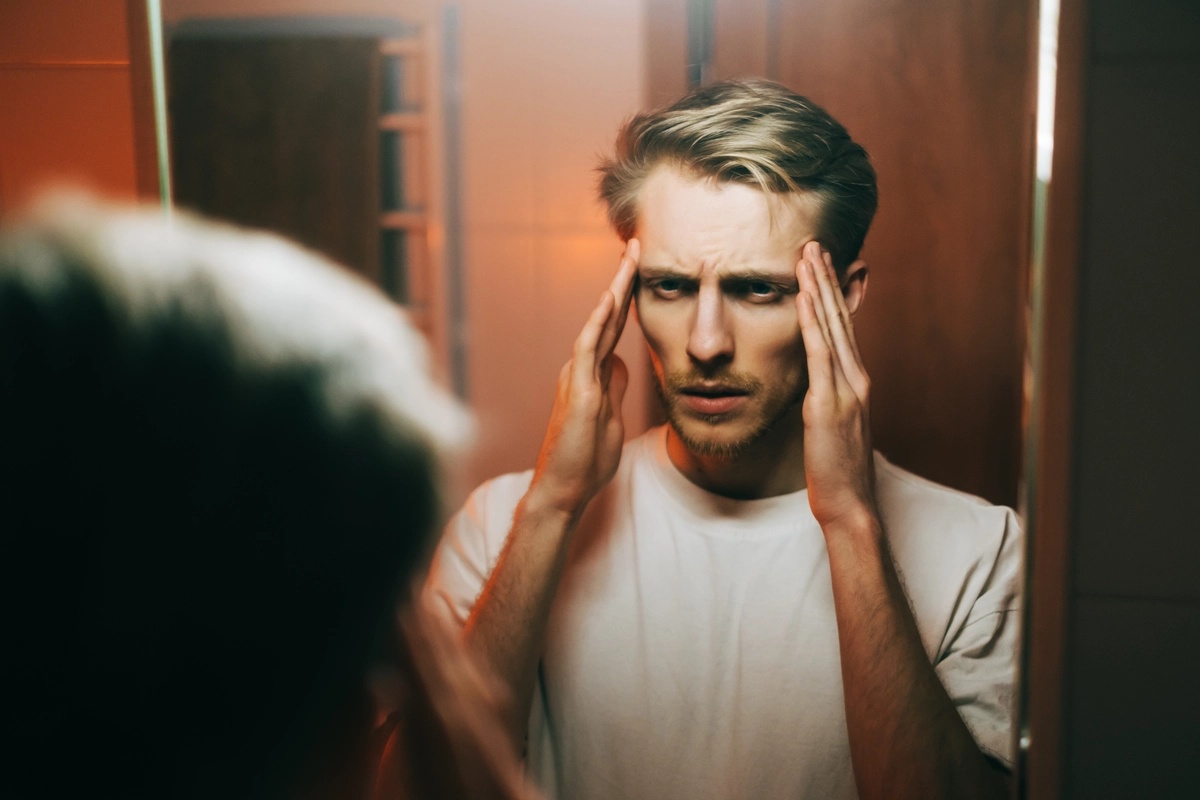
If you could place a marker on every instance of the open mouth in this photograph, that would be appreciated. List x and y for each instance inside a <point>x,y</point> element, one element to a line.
<point>712,399</point>
<point>713,390</point>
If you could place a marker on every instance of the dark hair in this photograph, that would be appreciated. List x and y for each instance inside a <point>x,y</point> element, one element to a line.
<point>750,131</point>
<point>200,556</point>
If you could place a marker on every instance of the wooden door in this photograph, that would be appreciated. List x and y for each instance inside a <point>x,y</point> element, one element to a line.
<point>282,133</point>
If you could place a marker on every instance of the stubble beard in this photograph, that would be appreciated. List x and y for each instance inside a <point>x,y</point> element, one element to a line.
<point>774,409</point>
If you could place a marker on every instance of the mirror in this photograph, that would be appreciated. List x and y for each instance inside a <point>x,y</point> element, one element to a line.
<point>505,105</point>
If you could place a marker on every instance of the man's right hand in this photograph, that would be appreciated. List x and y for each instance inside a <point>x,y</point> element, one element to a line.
<point>582,448</point>
<point>580,454</point>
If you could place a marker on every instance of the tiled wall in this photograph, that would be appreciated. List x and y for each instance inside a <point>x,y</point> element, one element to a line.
<point>1133,698</point>
<point>546,83</point>
<point>66,111</point>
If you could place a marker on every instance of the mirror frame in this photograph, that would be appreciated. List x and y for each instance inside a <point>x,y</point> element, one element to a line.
<point>1051,345</point>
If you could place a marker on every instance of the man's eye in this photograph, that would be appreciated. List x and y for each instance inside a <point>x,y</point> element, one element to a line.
<point>761,292</point>
<point>667,288</point>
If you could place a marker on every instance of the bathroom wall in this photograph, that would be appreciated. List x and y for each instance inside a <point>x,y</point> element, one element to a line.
<point>546,83</point>
<point>66,104</point>
<point>544,86</point>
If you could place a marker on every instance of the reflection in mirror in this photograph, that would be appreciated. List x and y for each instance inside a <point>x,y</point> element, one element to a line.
<point>939,94</point>
<point>313,127</point>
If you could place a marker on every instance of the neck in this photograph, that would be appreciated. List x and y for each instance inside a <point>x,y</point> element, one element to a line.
<point>770,466</point>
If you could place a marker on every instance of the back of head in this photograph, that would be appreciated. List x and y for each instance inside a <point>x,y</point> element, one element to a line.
<point>217,461</point>
<point>756,132</point>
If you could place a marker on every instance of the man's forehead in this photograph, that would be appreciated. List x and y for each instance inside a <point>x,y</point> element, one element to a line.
<point>685,221</point>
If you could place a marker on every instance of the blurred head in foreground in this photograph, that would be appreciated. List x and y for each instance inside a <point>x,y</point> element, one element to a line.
<point>217,467</point>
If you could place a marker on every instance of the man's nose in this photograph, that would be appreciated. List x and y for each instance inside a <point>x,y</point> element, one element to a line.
<point>710,339</point>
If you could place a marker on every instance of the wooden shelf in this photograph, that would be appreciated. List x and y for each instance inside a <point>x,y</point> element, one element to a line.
<point>405,258</point>
<point>402,121</point>
<point>403,220</point>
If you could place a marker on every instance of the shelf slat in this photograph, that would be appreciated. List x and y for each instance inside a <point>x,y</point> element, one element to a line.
<point>402,121</point>
<point>403,220</point>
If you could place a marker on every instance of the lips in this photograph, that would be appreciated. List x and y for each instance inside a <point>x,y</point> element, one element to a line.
<point>711,400</point>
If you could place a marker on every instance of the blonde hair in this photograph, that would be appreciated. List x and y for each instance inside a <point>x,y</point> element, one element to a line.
<point>750,131</point>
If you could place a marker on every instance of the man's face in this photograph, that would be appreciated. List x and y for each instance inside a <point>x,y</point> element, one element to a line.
<point>717,303</point>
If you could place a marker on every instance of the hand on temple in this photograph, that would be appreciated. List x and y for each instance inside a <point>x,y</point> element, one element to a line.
<point>583,441</point>
<point>838,461</point>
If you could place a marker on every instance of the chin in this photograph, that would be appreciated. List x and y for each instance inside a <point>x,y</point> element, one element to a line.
<point>729,436</point>
<point>716,437</point>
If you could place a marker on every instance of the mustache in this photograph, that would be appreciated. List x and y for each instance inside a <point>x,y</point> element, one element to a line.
<point>682,379</point>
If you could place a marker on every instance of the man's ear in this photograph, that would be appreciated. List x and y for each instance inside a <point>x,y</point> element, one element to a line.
<point>854,285</point>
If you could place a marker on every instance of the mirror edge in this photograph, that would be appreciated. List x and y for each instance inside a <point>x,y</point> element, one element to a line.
<point>153,16</point>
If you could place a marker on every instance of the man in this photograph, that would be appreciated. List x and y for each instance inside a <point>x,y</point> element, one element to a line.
<point>746,603</point>
<point>217,453</point>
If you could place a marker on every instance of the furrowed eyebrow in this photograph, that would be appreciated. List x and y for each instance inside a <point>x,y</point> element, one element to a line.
<point>654,273</point>
<point>785,281</point>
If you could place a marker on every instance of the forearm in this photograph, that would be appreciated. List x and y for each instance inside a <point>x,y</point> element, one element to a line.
<point>507,626</point>
<point>907,740</point>
<point>447,741</point>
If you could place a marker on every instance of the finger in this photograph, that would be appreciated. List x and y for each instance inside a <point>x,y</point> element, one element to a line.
<point>826,318</point>
<point>851,334</point>
<point>633,254</point>
<point>834,307</point>
<point>621,289</point>
<point>583,356</point>
<point>838,294</point>
<point>835,282</point>
<point>843,356</point>
<point>820,366</point>
<point>808,283</point>
<point>842,328</point>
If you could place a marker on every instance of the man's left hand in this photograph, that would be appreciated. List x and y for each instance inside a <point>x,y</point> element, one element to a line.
<point>838,462</point>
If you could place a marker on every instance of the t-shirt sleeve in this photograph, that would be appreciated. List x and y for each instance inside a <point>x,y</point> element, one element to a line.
<point>979,667</point>
<point>471,544</point>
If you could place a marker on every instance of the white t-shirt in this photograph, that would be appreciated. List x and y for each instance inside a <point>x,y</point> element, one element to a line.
<point>692,649</point>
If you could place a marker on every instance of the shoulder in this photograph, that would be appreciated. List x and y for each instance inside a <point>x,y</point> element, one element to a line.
<point>934,529</point>
<point>959,555</point>
<point>472,542</point>
<point>906,497</point>
<point>488,511</point>
<point>493,502</point>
